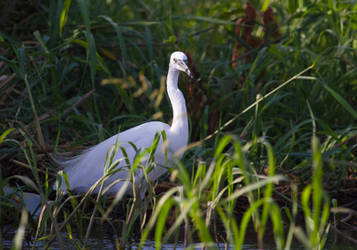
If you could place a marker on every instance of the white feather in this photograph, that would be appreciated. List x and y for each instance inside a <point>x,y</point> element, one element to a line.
<point>87,168</point>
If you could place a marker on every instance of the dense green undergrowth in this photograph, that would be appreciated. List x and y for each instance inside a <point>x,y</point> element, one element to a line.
<point>273,138</point>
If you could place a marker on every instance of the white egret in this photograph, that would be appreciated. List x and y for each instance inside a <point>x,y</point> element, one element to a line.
<point>87,168</point>
<point>31,201</point>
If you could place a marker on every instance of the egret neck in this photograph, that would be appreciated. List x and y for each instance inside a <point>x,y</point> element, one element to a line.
<point>179,125</point>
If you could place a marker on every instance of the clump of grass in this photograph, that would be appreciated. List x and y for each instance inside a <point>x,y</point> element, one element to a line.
<point>229,177</point>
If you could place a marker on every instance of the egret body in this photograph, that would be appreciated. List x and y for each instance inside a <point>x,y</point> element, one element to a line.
<point>87,168</point>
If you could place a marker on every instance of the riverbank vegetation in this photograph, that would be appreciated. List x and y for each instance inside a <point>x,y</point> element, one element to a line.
<point>272,109</point>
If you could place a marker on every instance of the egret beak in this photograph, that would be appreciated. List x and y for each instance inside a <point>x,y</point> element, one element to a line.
<point>188,72</point>
<point>181,65</point>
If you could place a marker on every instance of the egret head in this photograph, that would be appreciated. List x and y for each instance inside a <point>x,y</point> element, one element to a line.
<point>178,61</point>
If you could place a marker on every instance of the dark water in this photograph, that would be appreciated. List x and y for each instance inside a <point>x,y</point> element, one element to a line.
<point>100,239</point>
<point>103,242</point>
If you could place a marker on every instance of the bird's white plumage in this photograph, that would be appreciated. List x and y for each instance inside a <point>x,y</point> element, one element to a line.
<point>31,201</point>
<point>86,169</point>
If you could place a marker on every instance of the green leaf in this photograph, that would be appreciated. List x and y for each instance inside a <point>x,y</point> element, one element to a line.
<point>64,16</point>
<point>3,136</point>
<point>341,100</point>
<point>222,144</point>
<point>161,221</point>
<point>265,5</point>
<point>27,181</point>
<point>21,56</point>
<point>92,59</point>
<point>91,50</point>
<point>118,30</point>
<point>40,40</point>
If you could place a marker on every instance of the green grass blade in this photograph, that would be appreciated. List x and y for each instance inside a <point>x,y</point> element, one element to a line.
<point>6,133</point>
<point>91,50</point>
<point>341,100</point>
<point>295,77</point>
<point>64,15</point>
<point>265,5</point>
<point>160,224</point>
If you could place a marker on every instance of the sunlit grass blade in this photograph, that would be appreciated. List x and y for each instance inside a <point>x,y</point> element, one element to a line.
<point>161,222</point>
<point>268,190</point>
<point>64,15</point>
<point>5,134</point>
<point>20,234</point>
<point>156,213</point>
